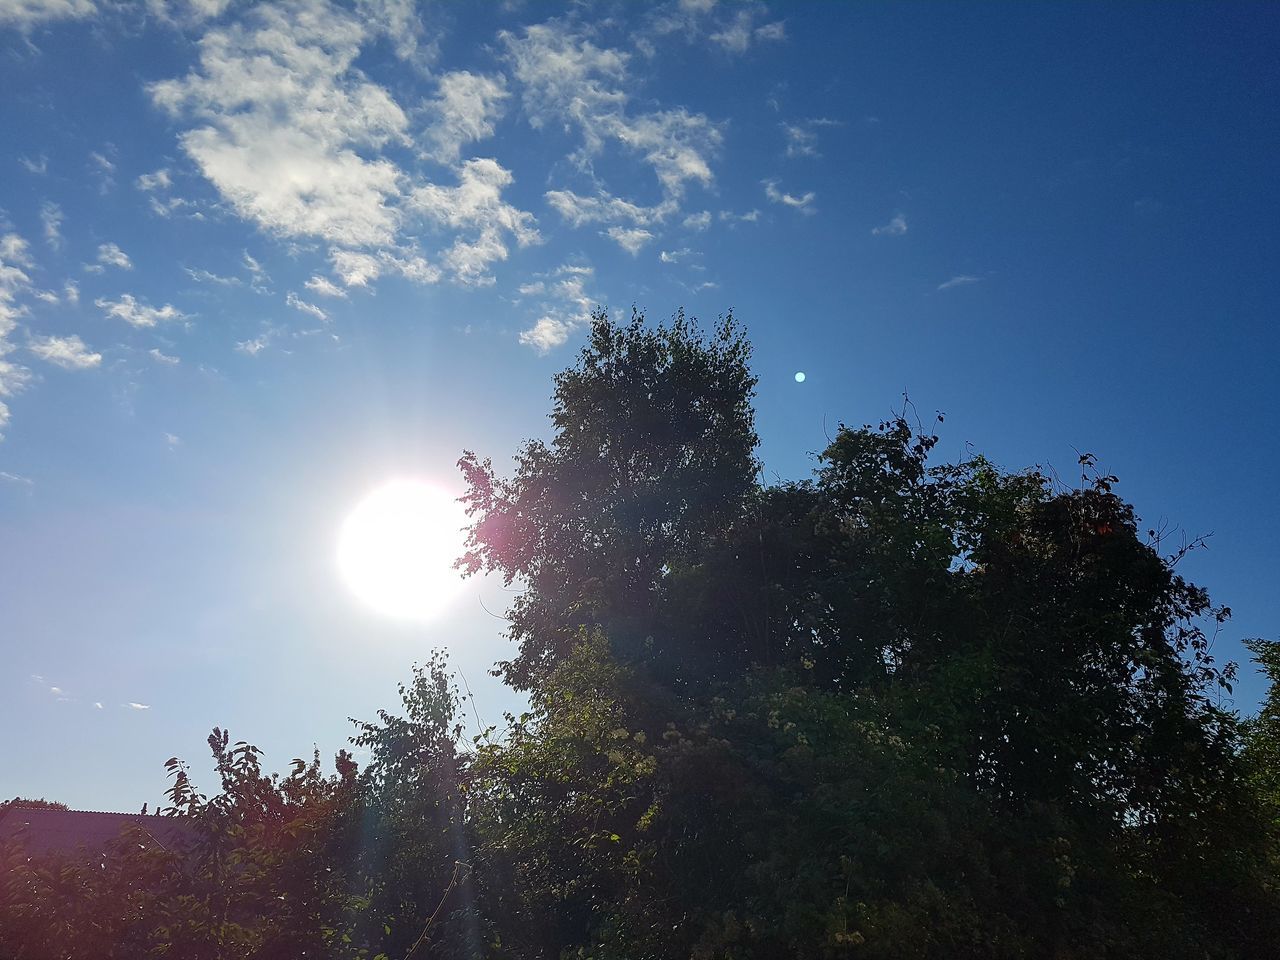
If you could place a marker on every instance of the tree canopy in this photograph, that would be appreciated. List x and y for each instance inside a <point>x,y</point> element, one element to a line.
<point>900,709</point>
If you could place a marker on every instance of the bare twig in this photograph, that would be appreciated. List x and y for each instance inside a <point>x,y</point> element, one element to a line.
<point>458,867</point>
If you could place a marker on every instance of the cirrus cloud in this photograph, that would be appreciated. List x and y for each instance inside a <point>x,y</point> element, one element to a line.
<point>70,353</point>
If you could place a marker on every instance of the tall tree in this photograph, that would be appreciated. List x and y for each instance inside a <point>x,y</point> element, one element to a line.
<point>652,453</point>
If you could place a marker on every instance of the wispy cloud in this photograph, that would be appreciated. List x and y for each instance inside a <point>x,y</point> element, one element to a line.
<point>959,280</point>
<point>802,136</point>
<point>16,478</point>
<point>200,275</point>
<point>566,79</point>
<point>160,357</point>
<point>566,308</point>
<point>258,278</point>
<point>631,240</point>
<point>159,180</point>
<point>134,705</point>
<point>466,107</point>
<point>324,287</point>
<point>255,346</point>
<point>475,207</point>
<point>802,203</point>
<point>110,255</point>
<point>70,353</point>
<point>896,227</point>
<point>138,314</point>
<point>15,282</point>
<point>742,32</point>
<point>698,221</point>
<point>25,14</point>
<point>311,309</point>
<point>156,186</point>
<point>51,217</point>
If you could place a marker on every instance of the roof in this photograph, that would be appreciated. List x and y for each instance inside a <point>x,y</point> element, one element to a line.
<point>40,830</point>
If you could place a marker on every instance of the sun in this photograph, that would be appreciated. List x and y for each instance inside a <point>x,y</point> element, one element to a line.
<point>396,549</point>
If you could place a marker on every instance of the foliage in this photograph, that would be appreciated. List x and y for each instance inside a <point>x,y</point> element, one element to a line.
<point>39,803</point>
<point>898,710</point>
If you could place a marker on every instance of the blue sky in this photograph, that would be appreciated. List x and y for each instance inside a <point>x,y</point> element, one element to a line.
<point>257,259</point>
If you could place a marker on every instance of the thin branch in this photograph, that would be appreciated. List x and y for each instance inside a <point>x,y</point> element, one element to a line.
<point>458,867</point>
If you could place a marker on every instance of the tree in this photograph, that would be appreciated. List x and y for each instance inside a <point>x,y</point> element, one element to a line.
<point>1036,665</point>
<point>897,710</point>
<point>653,451</point>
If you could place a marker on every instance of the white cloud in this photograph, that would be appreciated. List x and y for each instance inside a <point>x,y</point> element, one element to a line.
<point>399,22</point>
<point>324,287</point>
<point>51,217</point>
<point>738,35</point>
<point>731,218</point>
<point>566,308</point>
<point>771,32</point>
<point>560,71</point>
<point>674,256</point>
<point>413,268</point>
<point>258,278</point>
<point>103,169</point>
<point>803,203</point>
<point>157,185</point>
<point>133,705</point>
<point>297,303</point>
<point>959,280</point>
<point>39,165</point>
<point>71,292</point>
<point>160,357</point>
<point>16,478</point>
<point>14,282</point>
<point>159,180</point>
<point>97,705</point>
<point>355,269</point>
<point>187,12</point>
<point>476,206</point>
<point>172,440</point>
<point>297,139</point>
<point>287,121</point>
<point>567,80</point>
<point>698,221</point>
<point>603,208</point>
<point>137,314</point>
<point>70,353</point>
<point>206,276</point>
<point>547,333</point>
<point>467,106</point>
<point>255,346</point>
<point>110,255</point>
<point>802,136</point>
<point>25,14</point>
<point>630,240</point>
<point>896,227</point>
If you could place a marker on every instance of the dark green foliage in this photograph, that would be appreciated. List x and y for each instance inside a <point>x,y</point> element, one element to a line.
<point>653,452</point>
<point>899,710</point>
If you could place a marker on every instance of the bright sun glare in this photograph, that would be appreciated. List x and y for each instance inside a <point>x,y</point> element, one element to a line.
<point>396,549</point>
